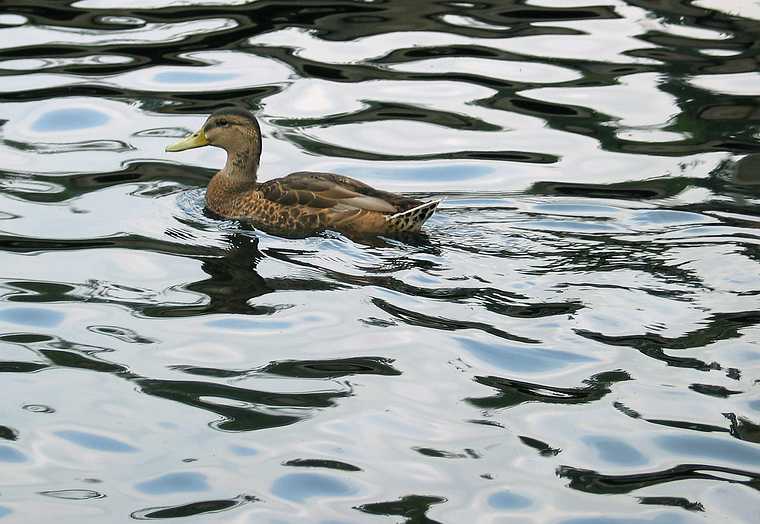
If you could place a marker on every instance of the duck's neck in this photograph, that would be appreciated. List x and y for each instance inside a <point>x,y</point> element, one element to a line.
<point>238,176</point>
<point>242,164</point>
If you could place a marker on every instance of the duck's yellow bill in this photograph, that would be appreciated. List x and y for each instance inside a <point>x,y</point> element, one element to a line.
<point>197,139</point>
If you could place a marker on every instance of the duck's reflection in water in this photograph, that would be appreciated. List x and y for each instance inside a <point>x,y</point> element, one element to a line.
<point>232,280</point>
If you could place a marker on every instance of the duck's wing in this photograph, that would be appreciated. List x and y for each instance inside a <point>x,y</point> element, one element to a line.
<point>327,190</point>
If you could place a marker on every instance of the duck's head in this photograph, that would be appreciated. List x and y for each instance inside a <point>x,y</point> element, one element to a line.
<point>231,129</point>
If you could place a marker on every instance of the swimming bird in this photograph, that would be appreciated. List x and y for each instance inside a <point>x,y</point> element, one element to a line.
<point>300,203</point>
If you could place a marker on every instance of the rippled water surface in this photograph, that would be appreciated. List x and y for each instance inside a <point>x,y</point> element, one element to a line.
<point>575,340</point>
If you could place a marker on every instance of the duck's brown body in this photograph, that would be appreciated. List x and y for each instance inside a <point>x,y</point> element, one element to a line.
<point>287,205</point>
<point>300,203</point>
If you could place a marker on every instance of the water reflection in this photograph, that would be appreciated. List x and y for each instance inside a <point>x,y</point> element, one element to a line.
<point>302,486</point>
<point>580,319</point>
<point>73,494</point>
<point>8,454</point>
<point>594,482</point>
<point>31,316</point>
<point>96,442</point>
<point>67,119</point>
<point>730,451</point>
<point>514,392</point>
<point>191,509</point>
<point>615,451</point>
<point>174,483</point>
<point>232,282</point>
<point>506,500</point>
<point>412,507</point>
<point>8,433</point>
<point>243,409</point>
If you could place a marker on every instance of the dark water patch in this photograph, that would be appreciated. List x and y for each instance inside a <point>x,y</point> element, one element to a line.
<point>380,112</point>
<point>123,334</point>
<point>413,508</point>
<point>20,367</point>
<point>544,449</point>
<point>678,149</point>
<point>316,147</point>
<point>713,390</point>
<point>241,409</point>
<point>210,102</point>
<point>743,428</point>
<point>37,342</point>
<point>38,408</point>
<point>447,324</point>
<point>8,433</point>
<point>694,426</point>
<point>192,508</point>
<point>734,373</point>
<point>719,327</point>
<point>321,463</point>
<point>73,494</point>
<point>626,410</point>
<point>590,481</point>
<point>652,346</point>
<point>550,14</point>
<point>210,372</point>
<point>86,63</point>
<point>25,338</point>
<point>69,359</point>
<point>36,291</point>
<point>439,453</point>
<point>604,191</point>
<point>678,502</point>
<point>418,53</point>
<point>504,156</point>
<point>326,369</point>
<point>47,148</point>
<point>485,422</point>
<point>496,304</point>
<point>63,353</point>
<point>539,108</point>
<point>37,245</point>
<point>512,392</point>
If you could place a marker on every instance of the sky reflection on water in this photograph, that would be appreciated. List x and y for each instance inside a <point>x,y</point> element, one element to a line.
<point>574,339</point>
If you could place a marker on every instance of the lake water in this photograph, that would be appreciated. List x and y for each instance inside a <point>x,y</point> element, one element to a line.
<point>576,340</point>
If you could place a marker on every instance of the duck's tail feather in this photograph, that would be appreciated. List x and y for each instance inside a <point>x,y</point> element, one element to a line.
<point>411,220</point>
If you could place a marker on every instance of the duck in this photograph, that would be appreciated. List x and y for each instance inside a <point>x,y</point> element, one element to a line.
<point>300,203</point>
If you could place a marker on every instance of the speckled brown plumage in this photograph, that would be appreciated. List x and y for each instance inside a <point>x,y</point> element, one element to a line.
<point>300,203</point>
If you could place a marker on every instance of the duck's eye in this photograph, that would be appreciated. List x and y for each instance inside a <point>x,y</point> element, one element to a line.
<point>222,123</point>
